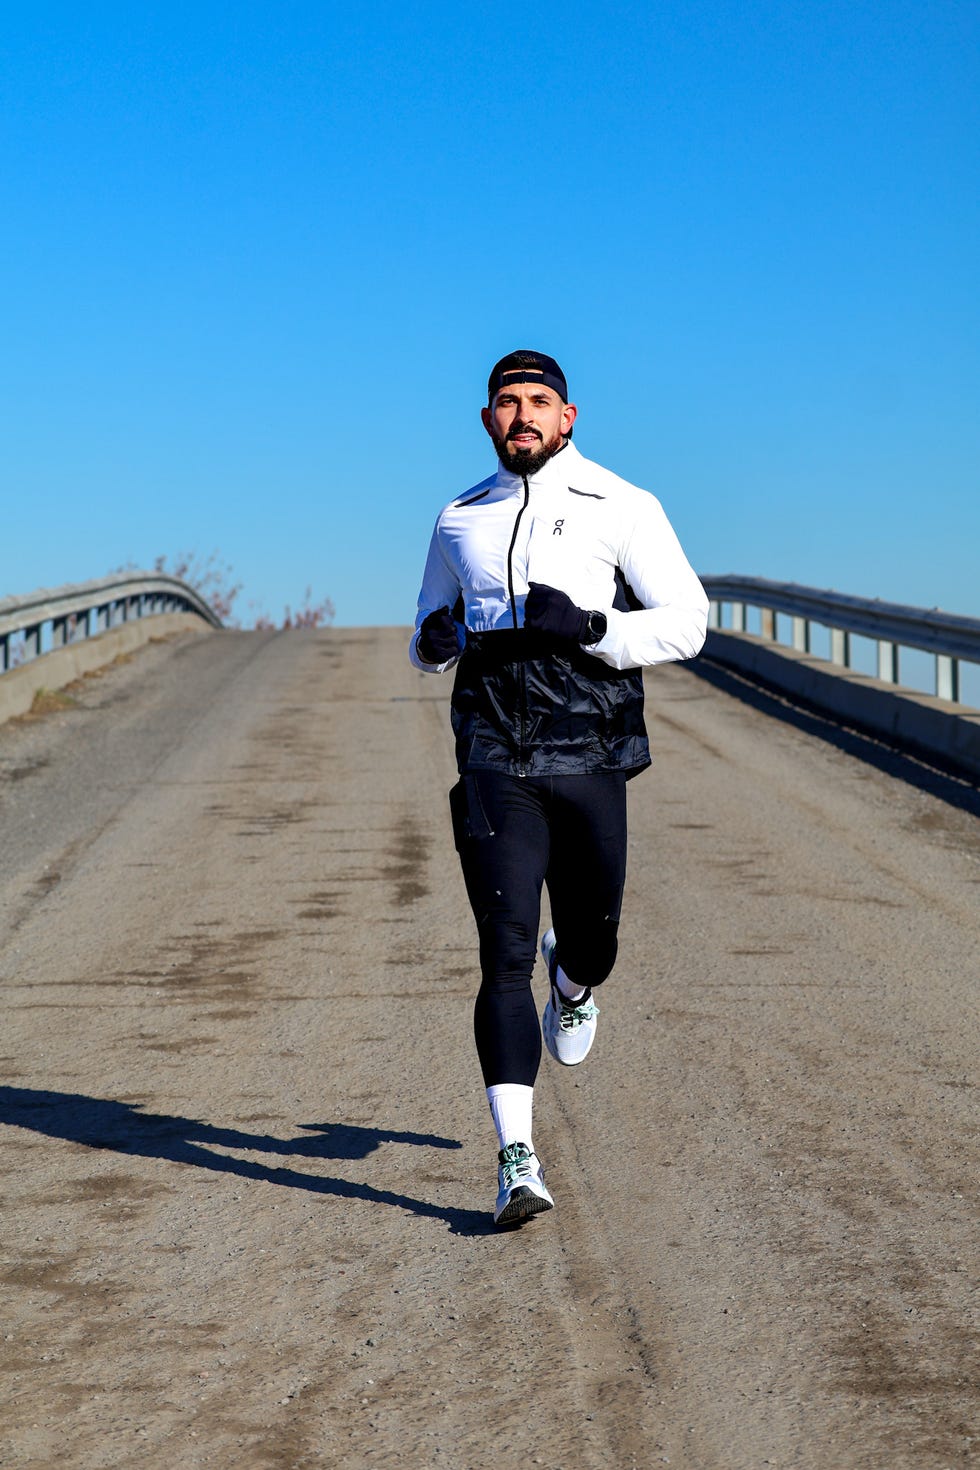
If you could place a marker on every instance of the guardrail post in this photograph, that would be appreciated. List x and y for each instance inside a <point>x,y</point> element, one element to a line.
<point>947,677</point>
<point>4,653</point>
<point>714,614</point>
<point>768,623</point>
<point>738,617</point>
<point>840,647</point>
<point>81,628</point>
<point>59,632</point>
<point>32,641</point>
<point>887,661</point>
<point>801,635</point>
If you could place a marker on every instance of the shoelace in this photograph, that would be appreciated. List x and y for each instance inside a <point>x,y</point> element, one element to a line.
<point>515,1164</point>
<point>570,1015</point>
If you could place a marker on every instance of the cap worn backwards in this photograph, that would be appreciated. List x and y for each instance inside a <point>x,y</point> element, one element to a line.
<point>527,367</point>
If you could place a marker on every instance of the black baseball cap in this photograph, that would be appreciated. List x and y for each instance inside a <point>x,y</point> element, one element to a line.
<point>527,367</point>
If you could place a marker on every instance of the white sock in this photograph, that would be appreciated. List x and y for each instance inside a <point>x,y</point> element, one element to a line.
<point>568,989</point>
<point>511,1105</point>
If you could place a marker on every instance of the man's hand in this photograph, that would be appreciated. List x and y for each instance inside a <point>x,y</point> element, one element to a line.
<point>438,640</point>
<point>546,610</point>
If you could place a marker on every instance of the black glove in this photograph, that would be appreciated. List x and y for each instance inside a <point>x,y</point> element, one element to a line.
<point>438,641</point>
<point>546,610</point>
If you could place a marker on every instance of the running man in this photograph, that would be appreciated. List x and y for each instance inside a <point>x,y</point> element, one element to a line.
<point>549,587</point>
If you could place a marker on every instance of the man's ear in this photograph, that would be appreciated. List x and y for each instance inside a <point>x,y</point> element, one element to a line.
<point>568,416</point>
<point>487,417</point>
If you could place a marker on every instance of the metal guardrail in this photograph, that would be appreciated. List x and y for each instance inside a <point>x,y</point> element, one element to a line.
<point>84,608</point>
<point>950,637</point>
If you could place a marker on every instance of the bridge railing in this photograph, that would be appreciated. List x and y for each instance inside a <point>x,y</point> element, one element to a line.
<point>949,637</point>
<point>52,618</point>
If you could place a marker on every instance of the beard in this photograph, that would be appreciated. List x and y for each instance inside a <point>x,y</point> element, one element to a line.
<point>526,462</point>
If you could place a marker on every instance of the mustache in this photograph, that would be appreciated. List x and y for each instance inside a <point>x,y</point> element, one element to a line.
<point>522,429</point>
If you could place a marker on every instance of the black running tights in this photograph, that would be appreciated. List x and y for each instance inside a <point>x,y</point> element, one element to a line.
<point>513,834</point>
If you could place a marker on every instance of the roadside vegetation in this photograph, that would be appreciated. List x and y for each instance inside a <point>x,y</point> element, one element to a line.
<point>215,581</point>
<point>217,584</point>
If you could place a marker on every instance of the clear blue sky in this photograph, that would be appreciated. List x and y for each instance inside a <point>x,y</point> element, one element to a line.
<point>257,260</point>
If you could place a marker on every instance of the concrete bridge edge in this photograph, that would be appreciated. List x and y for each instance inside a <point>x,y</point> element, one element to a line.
<point>932,728</point>
<point>52,671</point>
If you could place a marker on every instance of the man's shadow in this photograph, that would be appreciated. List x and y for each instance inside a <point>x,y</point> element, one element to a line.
<point>123,1128</point>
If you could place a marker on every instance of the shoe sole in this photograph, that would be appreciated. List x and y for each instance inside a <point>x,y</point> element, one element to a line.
<point>577,1062</point>
<point>522,1204</point>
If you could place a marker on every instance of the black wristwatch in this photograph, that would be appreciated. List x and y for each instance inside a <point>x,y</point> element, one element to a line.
<point>595,628</point>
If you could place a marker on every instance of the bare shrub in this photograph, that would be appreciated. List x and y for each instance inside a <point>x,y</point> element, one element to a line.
<point>215,581</point>
<point>307,615</point>
<point>209,576</point>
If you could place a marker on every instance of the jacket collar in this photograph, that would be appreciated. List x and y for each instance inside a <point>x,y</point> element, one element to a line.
<point>554,471</point>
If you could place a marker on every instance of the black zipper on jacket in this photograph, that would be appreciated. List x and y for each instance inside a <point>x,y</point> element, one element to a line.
<point>521,675</point>
<point>510,554</point>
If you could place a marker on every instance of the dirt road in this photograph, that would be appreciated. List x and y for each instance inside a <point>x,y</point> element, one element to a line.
<point>247,1160</point>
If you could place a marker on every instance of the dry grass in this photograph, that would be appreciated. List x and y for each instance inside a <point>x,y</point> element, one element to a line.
<point>47,701</point>
<point>57,701</point>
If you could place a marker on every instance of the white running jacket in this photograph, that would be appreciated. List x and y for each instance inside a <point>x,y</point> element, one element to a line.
<point>577,527</point>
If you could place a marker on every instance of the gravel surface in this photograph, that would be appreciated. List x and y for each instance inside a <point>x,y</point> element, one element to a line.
<point>248,1164</point>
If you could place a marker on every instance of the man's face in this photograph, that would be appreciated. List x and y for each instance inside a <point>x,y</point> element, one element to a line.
<point>527,423</point>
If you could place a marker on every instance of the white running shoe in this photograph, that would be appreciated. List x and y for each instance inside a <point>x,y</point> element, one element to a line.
<point>522,1191</point>
<point>568,1026</point>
